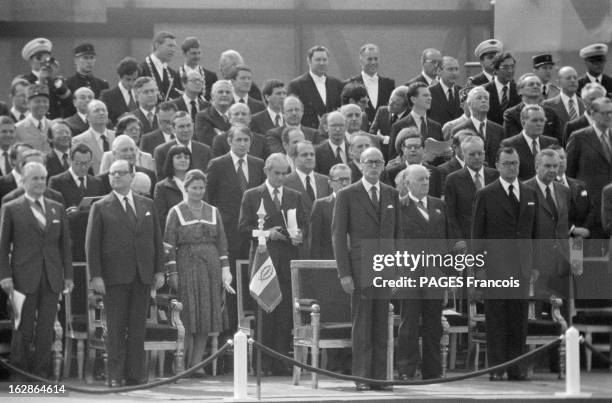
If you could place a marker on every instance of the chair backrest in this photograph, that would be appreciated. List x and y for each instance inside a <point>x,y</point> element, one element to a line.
<point>245,305</point>
<point>318,280</point>
<point>76,303</point>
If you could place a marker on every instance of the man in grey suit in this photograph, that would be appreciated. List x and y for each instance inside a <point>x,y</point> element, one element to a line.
<point>125,256</point>
<point>35,259</point>
<point>98,138</point>
<point>367,210</point>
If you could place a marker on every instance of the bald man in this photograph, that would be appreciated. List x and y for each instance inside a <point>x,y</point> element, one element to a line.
<point>98,138</point>
<point>567,105</point>
<point>78,122</point>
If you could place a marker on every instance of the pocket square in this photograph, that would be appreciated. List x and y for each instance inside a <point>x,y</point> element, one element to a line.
<point>530,203</point>
<point>583,193</point>
<point>147,213</point>
<point>390,206</point>
<point>56,221</point>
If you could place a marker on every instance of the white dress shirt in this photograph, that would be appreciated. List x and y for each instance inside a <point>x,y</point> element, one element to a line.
<point>121,198</point>
<point>515,188</point>
<point>371,84</point>
<point>245,169</point>
<point>271,191</point>
<point>126,94</point>
<point>273,116</point>
<point>313,183</point>
<point>320,84</point>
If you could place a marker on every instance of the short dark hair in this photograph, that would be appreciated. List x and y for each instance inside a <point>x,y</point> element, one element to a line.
<point>128,66</point>
<point>178,115</point>
<point>504,150</point>
<point>413,91</point>
<point>175,150</point>
<point>270,85</point>
<point>410,132</point>
<point>13,149</point>
<point>141,81</point>
<point>161,36</point>
<point>317,48</point>
<point>189,43</point>
<point>235,129</point>
<point>167,106</point>
<point>497,61</point>
<point>354,91</point>
<point>124,121</point>
<point>80,148</point>
<point>239,68</point>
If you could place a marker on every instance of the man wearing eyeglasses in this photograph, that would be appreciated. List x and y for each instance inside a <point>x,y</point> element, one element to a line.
<point>366,214</point>
<point>125,256</point>
<point>504,224</point>
<point>502,90</point>
<point>430,60</point>
<point>192,100</point>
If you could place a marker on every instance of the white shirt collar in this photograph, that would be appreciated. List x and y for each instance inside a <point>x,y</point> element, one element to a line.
<point>427,78</point>
<point>16,113</point>
<point>480,173</point>
<point>316,78</point>
<point>271,191</point>
<point>543,187</point>
<point>334,146</point>
<point>159,65</point>
<point>565,99</point>
<point>76,178</point>
<point>488,76</point>
<point>424,199</point>
<point>237,98</point>
<point>417,118</point>
<point>477,123</point>
<point>445,88</point>
<point>17,177</point>
<point>82,116</point>
<point>598,132</point>
<point>273,115</point>
<point>367,185</point>
<point>146,112</point>
<point>235,158</point>
<point>41,200</point>
<point>303,175</point>
<point>529,140</point>
<point>593,78</point>
<point>500,86</point>
<point>506,185</point>
<point>460,161</point>
<point>367,77</point>
<point>60,154</point>
<point>130,197</point>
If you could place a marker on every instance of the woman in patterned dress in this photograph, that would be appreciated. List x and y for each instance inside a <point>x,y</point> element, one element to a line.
<point>199,267</point>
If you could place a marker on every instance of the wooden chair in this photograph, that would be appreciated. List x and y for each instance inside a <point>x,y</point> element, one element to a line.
<point>458,324</point>
<point>245,305</point>
<point>76,310</point>
<point>322,314</point>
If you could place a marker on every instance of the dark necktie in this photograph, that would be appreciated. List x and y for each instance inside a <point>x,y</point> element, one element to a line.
<point>130,211</point>
<point>22,116</point>
<point>338,155</point>
<point>504,100</point>
<point>481,130</point>
<point>82,184</point>
<point>544,90</point>
<point>477,182</point>
<point>150,118</point>
<point>597,81</point>
<point>194,110</point>
<point>131,103</point>
<point>276,200</point>
<point>105,146</point>
<point>7,162</point>
<point>534,147</point>
<point>551,204</point>
<point>40,125</point>
<point>277,120</point>
<point>423,128</point>
<point>513,200</point>
<point>242,180</point>
<point>42,221</point>
<point>165,79</point>
<point>374,197</point>
<point>309,188</point>
<point>241,100</point>
<point>423,210</point>
<point>572,110</point>
<point>65,161</point>
<point>451,97</point>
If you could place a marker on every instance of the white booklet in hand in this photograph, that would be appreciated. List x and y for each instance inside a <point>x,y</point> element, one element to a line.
<point>17,300</point>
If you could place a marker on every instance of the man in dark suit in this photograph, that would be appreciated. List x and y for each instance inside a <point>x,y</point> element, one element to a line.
<point>461,187</point>
<point>12,180</point>
<point>335,149</point>
<point>359,144</point>
<point>293,110</point>
<point>386,116</point>
<point>147,95</point>
<point>214,119</point>
<point>73,185</point>
<point>229,176</point>
<point>156,66</point>
<point>78,122</point>
<point>35,260</point>
<point>240,115</point>
<point>425,228</point>
<point>529,88</point>
<point>274,93</point>
<point>121,98</point>
<point>567,105</point>
<point>485,52</point>
<point>163,134</point>
<point>242,79</point>
<point>530,140</point>
<point>228,61</point>
<point>445,94</point>
<point>7,139</point>
<point>419,98</point>
<point>193,55</point>
<point>504,225</point>
<point>502,90</point>
<point>320,228</point>
<point>282,246</point>
<point>589,93</point>
<point>309,184</point>
<point>379,88</point>
<point>489,131</point>
<point>411,146</point>
<point>85,60</point>
<point>19,100</point>
<point>456,162</point>
<point>595,60</point>
<point>182,128</point>
<point>366,210</point>
<point>318,92</point>
<point>191,101</point>
<point>589,159</point>
<point>430,60</point>
<point>126,224</point>
<point>58,160</point>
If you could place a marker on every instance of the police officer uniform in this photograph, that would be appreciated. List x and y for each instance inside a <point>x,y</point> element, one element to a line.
<point>549,90</point>
<point>483,48</point>
<point>78,80</point>
<point>595,53</point>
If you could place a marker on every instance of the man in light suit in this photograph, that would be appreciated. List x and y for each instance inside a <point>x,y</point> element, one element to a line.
<point>125,257</point>
<point>229,176</point>
<point>505,216</point>
<point>277,200</point>
<point>531,140</point>
<point>155,65</point>
<point>163,134</point>
<point>214,119</point>
<point>567,105</point>
<point>318,92</point>
<point>335,149</point>
<point>445,94</point>
<point>33,129</point>
<point>293,110</point>
<point>98,138</point>
<point>183,130</point>
<point>379,88</point>
<point>430,60</point>
<point>502,90</point>
<point>274,93</point>
<point>147,95</point>
<point>366,210</point>
<point>121,98</point>
<point>492,133</point>
<point>35,260</point>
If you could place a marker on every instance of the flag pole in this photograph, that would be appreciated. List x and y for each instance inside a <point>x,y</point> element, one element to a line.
<point>261,244</point>
<point>258,338</point>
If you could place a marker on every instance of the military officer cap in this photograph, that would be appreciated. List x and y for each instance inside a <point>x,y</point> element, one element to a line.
<point>594,51</point>
<point>463,93</point>
<point>83,49</point>
<point>37,90</point>
<point>35,46</point>
<point>488,46</point>
<point>542,60</point>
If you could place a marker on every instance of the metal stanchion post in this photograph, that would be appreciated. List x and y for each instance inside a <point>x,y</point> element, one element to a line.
<point>572,365</point>
<point>240,365</point>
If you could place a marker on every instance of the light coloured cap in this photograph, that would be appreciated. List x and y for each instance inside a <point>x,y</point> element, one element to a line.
<point>596,49</point>
<point>34,46</point>
<point>489,46</point>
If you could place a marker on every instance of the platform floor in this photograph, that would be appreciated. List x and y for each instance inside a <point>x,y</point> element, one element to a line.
<point>542,387</point>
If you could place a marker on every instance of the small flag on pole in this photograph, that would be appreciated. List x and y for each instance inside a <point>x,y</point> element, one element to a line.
<point>264,286</point>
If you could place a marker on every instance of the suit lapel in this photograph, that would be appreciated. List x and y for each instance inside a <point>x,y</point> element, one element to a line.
<point>28,212</point>
<point>117,205</point>
<point>594,142</point>
<point>504,200</point>
<point>367,202</point>
<point>315,91</point>
<point>416,216</point>
<point>542,199</point>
